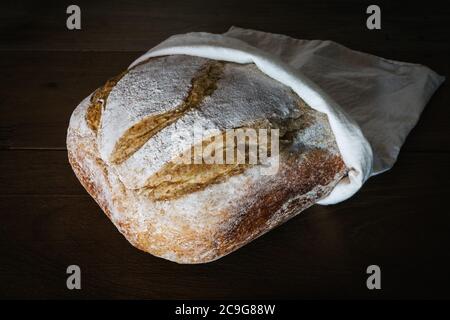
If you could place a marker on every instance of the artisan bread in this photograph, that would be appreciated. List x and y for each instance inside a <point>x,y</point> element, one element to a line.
<point>126,139</point>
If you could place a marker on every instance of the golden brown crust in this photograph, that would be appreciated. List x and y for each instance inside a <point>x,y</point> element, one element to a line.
<point>317,174</point>
<point>309,180</point>
<point>201,225</point>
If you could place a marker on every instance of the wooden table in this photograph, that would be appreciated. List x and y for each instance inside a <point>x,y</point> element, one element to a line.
<point>399,220</point>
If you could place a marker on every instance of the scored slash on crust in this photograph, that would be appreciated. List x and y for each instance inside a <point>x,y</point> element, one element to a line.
<point>203,224</point>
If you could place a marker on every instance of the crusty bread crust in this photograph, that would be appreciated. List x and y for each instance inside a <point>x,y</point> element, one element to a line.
<point>207,224</point>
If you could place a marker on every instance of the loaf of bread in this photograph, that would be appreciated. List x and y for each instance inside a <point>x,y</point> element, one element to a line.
<point>132,145</point>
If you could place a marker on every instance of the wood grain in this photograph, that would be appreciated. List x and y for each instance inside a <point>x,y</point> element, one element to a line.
<point>47,221</point>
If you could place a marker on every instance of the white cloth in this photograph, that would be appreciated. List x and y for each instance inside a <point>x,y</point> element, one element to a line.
<point>372,103</point>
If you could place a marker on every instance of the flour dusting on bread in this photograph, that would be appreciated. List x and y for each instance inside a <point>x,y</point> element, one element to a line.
<point>205,224</point>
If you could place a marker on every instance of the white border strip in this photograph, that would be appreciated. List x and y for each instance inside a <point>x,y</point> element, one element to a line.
<point>355,149</point>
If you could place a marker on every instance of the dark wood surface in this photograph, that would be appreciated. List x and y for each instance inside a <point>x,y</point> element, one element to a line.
<point>399,220</point>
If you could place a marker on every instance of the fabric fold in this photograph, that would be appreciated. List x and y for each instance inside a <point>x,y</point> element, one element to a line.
<point>371,103</point>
